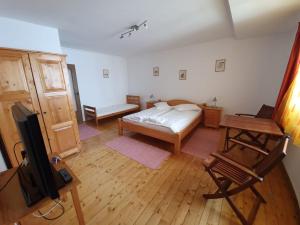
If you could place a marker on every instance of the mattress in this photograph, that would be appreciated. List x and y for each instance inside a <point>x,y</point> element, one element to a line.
<point>115,109</point>
<point>170,120</point>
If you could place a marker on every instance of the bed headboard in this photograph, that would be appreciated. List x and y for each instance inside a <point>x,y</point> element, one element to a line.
<point>174,102</point>
<point>133,99</point>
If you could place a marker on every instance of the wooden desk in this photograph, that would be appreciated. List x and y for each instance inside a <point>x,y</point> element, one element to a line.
<point>258,125</point>
<point>12,203</point>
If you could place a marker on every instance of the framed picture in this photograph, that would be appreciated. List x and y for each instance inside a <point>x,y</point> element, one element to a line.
<point>220,65</point>
<point>182,74</point>
<point>156,71</point>
<point>105,73</point>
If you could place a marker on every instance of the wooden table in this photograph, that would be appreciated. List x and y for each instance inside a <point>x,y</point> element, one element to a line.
<point>12,203</point>
<point>257,125</point>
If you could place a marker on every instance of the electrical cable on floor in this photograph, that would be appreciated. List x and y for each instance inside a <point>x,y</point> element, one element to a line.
<point>44,215</point>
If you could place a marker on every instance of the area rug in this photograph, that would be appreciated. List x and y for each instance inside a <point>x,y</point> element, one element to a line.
<point>202,142</point>
<point>86,132</point>
<point>148,155</point>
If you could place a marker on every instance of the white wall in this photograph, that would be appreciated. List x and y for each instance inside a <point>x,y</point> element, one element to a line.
<point>291,163</point>
<point>254,70</point>
<point>23,35</point>
<point>2,163</point>
<point>93,88</point>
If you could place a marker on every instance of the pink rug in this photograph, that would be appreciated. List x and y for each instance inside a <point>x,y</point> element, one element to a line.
<point>143,153</point>
<point>86,132</point>
<point>203,142</point>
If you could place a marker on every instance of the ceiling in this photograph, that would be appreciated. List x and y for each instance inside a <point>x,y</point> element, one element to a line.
<point>97,24</point>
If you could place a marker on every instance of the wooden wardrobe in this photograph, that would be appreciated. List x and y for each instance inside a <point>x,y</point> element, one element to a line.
<point>40,82</point>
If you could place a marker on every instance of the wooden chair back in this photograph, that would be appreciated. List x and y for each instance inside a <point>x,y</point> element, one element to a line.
<point>274,157</point>
<point>133,99</point>
<point>265,112</point>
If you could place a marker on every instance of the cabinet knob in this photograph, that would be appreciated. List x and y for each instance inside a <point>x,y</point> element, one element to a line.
<point>45,112</point>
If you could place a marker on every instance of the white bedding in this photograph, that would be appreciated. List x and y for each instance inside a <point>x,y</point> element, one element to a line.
<point>114,109</point>
<point>170,118</point>
<point>146,114</point>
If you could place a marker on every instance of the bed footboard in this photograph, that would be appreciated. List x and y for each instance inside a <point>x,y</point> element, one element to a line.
<point>174,138</point>
<point>90,113</point>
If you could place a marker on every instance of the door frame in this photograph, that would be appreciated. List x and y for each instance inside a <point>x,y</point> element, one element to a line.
<point>72,68</point>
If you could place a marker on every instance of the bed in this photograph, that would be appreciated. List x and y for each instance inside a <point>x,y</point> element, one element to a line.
<point>160,132</point>
<point>132,105</point>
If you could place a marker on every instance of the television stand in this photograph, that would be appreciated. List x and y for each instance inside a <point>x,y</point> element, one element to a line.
<point>13,207</point>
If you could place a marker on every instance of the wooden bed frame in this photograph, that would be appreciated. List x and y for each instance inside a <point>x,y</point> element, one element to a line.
<point>90,112</point>
<point>174,138</point>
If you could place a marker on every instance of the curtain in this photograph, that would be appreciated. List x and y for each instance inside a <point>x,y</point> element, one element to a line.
<point>287,108</point>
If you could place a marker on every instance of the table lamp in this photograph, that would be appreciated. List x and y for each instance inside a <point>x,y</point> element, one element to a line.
<point>215,101</point>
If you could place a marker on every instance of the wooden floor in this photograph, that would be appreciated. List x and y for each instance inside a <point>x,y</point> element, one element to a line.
<point>117,190</point>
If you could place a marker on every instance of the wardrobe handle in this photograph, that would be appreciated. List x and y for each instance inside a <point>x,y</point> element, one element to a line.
<point>44,113</point>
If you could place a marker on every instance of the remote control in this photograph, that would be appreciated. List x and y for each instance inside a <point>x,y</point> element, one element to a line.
<point>65,175</point>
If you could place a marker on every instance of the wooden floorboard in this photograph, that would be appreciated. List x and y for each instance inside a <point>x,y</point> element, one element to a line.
<point>116,190</point>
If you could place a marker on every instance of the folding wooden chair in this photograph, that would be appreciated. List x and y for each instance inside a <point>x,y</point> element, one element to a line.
<point>265,112</point>
<point>225,172</point>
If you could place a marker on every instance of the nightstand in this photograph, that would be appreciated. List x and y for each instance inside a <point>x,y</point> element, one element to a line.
<point>212,116</point>
<point>150,104</point>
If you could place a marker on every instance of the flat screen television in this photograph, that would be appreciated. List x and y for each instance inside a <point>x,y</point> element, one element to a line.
<point>37,176</point>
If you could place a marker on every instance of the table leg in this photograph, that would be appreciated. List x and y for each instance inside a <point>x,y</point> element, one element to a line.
<point>226,143</point>
<point>264,145</point>
<point>64,198</point>
<point>77,206</point>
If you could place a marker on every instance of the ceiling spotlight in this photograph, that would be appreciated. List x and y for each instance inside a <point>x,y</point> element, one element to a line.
<point>134,28</point>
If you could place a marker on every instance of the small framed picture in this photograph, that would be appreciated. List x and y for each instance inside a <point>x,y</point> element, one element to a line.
<point>182,74</point>
<point>156,71</point>
<point>105,73</point>
<point>220,65</point>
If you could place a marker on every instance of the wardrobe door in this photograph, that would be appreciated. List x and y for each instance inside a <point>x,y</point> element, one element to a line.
<point>16,85</point>
<point>50,75</point>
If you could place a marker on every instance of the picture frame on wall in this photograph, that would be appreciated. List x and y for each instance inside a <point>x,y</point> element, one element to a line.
<point>182,74</point>
<point>156,71</point>
<point>220,65</point>
<point>105,73</point>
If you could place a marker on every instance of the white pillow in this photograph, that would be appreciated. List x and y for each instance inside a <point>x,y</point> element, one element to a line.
<point>187,107</point>
<point>162,105</point>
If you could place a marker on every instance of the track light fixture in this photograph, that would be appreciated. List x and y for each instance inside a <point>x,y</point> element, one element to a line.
<point>134,28</point>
